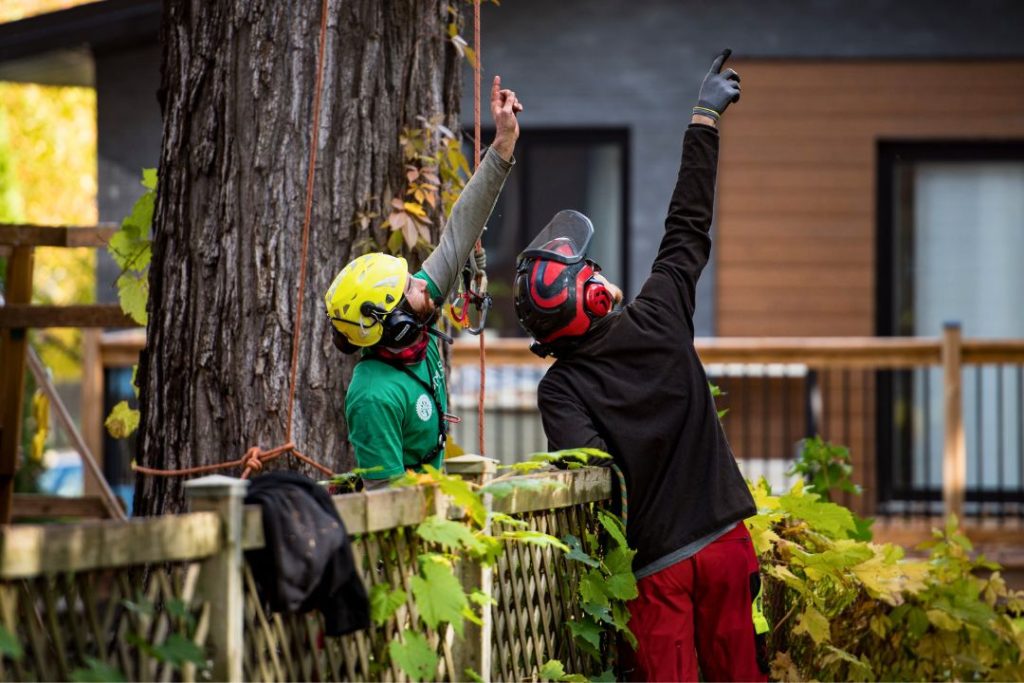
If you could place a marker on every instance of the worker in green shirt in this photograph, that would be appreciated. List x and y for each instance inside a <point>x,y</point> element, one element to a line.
<point>397,400</point>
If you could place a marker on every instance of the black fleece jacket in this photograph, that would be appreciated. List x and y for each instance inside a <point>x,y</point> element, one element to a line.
<point>636,388</point>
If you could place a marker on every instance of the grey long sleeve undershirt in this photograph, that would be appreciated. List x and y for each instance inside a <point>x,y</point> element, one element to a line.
<point>466,223</point>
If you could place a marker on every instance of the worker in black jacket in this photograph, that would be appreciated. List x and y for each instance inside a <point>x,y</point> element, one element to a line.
<point>629,382</point>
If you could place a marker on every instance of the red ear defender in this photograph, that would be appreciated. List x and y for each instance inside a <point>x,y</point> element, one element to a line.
<point>597,299</point>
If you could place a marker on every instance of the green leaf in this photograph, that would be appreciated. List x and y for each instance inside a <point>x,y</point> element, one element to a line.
<point>133,293</point>
<point>917,622</point>
<point>830,519</point>
<point>439,596</point>
<point>459,490</point>
<point>508,520</point>
<point>592,588</point>
<point>473,675</point>
<point>178,650</point>
<point>538,538</point>
<point>481,598</point>
<point>620,561</point>
<point>524,467</point>
<point>395,241</point>
<point>606,676</point>
<point>551,670</point>
<point>576,551</point>
<point>615,528</point>
<point>149,178</point>
<point>414,656</point>
<point>946,622</point>
<point>586,629</point>
<point>600,613</point>
<point>97,672</point>
<point>9,645</point>
<point>141,217</point>
<point>813,623</point>
<point>384,602</point>
<point>621,584</point>
<point>122,421</point>
<point>448,533</point>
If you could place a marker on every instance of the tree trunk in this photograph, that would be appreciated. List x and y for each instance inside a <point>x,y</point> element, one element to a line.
<point>238,82</point>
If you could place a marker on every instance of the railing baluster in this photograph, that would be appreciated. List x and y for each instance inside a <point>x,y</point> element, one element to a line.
<point>979,439</point>
<point>1000,479</point>
<point>927,429</point>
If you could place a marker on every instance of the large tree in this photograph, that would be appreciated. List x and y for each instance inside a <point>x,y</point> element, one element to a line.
<point>237,92</point>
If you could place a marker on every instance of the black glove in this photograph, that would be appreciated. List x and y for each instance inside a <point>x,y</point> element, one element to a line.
<point>719,89</point>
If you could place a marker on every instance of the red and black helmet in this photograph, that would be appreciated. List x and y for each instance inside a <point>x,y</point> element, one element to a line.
<point>556,296</point>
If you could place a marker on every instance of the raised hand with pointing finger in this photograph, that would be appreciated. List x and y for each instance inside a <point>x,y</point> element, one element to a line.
<point>504,107</point>
<point>718,90</point>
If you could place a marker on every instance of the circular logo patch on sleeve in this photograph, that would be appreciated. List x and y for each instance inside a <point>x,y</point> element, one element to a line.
<point>424,407</point>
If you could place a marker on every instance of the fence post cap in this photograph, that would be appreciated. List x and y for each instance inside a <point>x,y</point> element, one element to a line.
<point>470,464</point>
<point>215,486</point>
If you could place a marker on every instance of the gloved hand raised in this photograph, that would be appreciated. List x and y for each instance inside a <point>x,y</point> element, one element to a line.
<point>719,89</point>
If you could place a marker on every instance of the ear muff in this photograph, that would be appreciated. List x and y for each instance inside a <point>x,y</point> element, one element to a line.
<point>597,299</point>
<point>399,328</point>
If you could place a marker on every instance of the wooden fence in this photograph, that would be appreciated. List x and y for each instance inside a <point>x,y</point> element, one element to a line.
<point>934,425</point>
<point>123,593</point>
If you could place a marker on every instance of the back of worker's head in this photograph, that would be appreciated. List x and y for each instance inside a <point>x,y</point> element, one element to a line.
<point>557,293</point>
<point>364,304</point>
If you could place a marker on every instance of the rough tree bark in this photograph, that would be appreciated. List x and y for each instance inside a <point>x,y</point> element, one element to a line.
<point>237,89</point>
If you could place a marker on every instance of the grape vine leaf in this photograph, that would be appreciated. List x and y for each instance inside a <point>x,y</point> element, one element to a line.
<point>414,656</point>
<point>439,596</point>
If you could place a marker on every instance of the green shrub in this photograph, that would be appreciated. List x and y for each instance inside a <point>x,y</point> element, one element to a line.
<point>848,609</point>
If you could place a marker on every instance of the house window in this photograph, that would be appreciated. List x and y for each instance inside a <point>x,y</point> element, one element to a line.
<point>950,245</point>
<point>584,170</point>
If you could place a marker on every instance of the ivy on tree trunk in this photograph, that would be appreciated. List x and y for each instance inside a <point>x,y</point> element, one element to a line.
<point>237,89</point>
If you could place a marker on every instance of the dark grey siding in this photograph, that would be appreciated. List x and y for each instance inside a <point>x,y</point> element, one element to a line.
<point>128,138</point>
<point>638,65</point>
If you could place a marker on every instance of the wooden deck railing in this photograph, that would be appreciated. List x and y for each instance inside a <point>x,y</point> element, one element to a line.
<point>97,590</point>
<point>933,424</point>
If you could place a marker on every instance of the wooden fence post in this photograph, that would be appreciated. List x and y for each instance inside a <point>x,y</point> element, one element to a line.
<point>954,456</point>
<point>220,580</point>
<point>475,650</point>
<point>13,343</point>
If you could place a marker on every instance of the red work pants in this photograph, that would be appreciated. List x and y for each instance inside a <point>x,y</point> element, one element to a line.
<point>698,611</point>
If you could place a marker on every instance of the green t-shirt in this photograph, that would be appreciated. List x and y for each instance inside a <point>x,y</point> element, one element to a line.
<point>392,420</point>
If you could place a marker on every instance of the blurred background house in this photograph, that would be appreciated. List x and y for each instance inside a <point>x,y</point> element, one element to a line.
<point>871,184</point>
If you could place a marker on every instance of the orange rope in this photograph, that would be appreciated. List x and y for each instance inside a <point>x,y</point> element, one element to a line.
<point>254,458</point>
<point>314,137</point>
<point>479,244</point>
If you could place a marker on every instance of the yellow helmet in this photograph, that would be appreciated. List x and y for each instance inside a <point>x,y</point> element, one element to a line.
<point>375,279</point>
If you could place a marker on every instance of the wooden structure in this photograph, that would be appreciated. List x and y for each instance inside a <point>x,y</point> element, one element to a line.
<point>18,314</point>
<point>94,589</point>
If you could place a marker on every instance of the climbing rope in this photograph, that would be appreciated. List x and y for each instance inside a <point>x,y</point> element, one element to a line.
<point>255,457</point>
<point>479,243</point>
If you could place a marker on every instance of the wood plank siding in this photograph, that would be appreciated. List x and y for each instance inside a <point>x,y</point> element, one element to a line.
<point>795,244</point>
<point>796,217</point>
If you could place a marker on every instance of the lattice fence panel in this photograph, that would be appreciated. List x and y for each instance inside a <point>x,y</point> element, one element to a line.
<point>61,621</point>
<point>293,647</point>
<point>536,593</point>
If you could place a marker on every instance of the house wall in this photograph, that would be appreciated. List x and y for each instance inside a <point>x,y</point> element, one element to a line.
<point>796,205</point>
<point>129,126</point>
<point>639,65</point>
